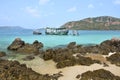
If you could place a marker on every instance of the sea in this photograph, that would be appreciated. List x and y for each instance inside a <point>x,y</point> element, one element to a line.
<point>85,37</point>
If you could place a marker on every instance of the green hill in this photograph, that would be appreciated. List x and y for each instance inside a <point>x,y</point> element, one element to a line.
<point>95,23</point>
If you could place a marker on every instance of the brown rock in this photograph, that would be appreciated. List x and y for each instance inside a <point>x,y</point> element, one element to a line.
<point>28,58</point>
<point>37,44</point>
<point>100,74</point>
<point>2,54</point>
<point>22,47</point>
<point>13,70</point>
<point>71,45</point>
<point>114,59</point>
<point>16,44</point>
<point>78,76</point>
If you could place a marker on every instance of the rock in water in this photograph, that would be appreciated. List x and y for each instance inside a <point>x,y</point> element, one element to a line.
<point>22,47</point>
<point>16,44</point>
<point>71,45</point>
<point>37,44</point>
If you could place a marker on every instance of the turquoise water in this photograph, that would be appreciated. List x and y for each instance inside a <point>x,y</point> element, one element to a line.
<point>85,37</point>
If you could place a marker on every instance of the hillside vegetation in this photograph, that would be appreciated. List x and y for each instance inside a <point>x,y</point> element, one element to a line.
<point>95,23</point>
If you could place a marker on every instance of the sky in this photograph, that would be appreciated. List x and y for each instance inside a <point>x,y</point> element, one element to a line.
<point>35,14</point>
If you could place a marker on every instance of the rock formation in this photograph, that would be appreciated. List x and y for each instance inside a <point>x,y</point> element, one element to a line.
<point>100,74</point>
<point>13,70</point>
<point>22,47</point>
<point>114,59</point>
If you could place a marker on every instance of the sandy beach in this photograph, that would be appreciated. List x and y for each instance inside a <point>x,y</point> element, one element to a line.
<point>70,73</point>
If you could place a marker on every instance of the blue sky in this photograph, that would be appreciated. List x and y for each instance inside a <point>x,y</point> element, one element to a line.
<point>53,13</point>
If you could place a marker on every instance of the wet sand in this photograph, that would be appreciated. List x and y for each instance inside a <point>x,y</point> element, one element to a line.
<point>70,73</point>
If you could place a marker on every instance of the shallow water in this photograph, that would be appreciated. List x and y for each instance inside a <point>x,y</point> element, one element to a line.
<point>85,37</point>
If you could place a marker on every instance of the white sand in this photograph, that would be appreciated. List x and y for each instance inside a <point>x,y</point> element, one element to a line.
<point>71,72</point>
<point>48,67</point>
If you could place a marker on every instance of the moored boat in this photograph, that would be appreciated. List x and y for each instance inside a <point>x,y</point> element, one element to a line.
<point>36,32</point>
<point>56,31</point>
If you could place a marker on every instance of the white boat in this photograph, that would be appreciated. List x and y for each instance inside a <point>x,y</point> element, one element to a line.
<point>56,31</point>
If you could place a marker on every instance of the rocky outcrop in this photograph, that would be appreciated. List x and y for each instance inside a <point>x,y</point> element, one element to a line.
<point>107,46</point>
<point>79,60</point>
<point>22,47</point>
<point>67,56</point>
<point>114,59</point>
<point>2,54</point>
<point>16,44</point>
<point>64,56</point>
<point>71,45</point>
<point>100,74</point>
<point>13,70</point>
<point>104,48</point>
<point>48,54</point>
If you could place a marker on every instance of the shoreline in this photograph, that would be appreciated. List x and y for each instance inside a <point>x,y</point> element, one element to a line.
<point>71,61</point>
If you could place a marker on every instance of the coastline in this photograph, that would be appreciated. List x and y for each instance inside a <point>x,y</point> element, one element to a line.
<point>70,61</point>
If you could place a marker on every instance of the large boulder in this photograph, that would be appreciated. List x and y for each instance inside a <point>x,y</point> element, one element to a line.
<point>37,44</point>
<point>48,54</point>
<point>100,74</point>
<point>114,59</point>
<point>16,44</point>
<point>28,48</point>
<point>110,45</point>
<point>22,47</point>
<point>71,45</point>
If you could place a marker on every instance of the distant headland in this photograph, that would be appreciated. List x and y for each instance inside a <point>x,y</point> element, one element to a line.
<point>11,27</point>
<point>95,23</point>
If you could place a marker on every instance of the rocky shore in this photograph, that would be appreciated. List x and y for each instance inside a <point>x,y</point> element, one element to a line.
<point>100,74</point>
<point>13,70</point>
<point>72,55</point>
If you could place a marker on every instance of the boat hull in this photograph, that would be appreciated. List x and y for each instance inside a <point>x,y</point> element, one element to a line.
<point>56,31</point>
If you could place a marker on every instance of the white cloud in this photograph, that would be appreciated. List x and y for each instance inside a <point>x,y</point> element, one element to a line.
<point>72,9</point>
<point>32,11</point>
<point>91,6</point>
<point>43,2</point>
<point>117,2</point>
